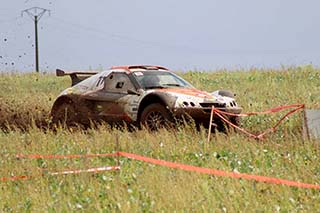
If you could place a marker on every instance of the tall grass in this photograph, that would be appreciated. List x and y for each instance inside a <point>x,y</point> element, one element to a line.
<point>140,186</point>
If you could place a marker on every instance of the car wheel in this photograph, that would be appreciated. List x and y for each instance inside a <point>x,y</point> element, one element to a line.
<point>65,115</point>
<point>155,116</point>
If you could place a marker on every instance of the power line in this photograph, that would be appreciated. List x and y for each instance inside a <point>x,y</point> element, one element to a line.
<point>9,20</point>
<point>128,38</point>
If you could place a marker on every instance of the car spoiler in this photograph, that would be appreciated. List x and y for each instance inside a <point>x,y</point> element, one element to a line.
<point>76,76</point>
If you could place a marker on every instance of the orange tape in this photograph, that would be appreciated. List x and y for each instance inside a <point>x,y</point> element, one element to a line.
<point>273,110</point>
<point>169,164</point>
<point>219,172</point>
<point>220,114</point>
<point>15,178</point>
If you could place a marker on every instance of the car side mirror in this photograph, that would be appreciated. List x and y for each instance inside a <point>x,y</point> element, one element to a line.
<point>132,92</point>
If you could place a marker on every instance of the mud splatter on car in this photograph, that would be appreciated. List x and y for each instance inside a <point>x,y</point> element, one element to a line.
<point>149,96</point>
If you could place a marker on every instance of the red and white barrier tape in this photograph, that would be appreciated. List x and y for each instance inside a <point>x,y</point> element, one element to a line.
<point>99,169</point>
<point>65,156</point>
<point>66,172</point>
<point>169,164</point>
<point>94,170</point>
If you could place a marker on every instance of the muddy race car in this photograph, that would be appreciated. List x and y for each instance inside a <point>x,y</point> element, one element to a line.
<point>149,96</point>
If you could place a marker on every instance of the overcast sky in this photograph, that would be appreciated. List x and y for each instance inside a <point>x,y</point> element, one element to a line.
<point>181,35</point>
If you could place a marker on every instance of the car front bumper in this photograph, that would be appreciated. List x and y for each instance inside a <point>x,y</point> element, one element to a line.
<point>202,114</point>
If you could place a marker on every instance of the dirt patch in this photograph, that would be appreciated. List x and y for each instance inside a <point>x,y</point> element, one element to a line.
<point>22,118</point>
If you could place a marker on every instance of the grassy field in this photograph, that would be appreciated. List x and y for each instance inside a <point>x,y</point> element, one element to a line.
<point>26,99</point>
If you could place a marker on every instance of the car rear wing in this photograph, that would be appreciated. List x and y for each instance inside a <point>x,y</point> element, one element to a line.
<point>76,76</point>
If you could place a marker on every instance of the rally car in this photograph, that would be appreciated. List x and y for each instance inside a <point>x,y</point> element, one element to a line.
<point>144,96</point>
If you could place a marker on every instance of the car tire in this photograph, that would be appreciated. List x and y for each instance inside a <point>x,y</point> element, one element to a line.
<point>156,116</point>
<point>65,115</point>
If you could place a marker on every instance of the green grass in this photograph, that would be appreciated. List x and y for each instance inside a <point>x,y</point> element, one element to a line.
<point>140,186</point>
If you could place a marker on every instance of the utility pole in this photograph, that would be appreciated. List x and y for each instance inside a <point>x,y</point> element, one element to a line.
<point>35,14</point>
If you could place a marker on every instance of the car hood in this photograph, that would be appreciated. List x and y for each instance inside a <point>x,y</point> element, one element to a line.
<point>187,91</point>
<point>186,97</point>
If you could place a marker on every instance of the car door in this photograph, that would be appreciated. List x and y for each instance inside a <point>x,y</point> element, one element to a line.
<point>112,102</point>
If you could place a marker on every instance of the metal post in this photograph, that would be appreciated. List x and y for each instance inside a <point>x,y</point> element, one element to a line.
<point>305,119</point>
<point>210,124</point>
<point>36,42</point>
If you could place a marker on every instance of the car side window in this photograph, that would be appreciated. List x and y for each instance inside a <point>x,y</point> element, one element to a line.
<point>118,82</point>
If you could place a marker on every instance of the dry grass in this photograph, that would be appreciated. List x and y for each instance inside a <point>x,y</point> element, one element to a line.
<point>140,186</point>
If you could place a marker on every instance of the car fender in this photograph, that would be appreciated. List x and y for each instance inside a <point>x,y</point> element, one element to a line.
<point>64,98</point>
<point>60,100</point>
<point>166,99</point>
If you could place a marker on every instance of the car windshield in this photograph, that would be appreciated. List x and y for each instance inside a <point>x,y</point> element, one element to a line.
<point>159,79</point>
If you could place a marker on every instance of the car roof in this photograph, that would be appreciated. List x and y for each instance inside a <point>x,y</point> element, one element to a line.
<point>133,68</point>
